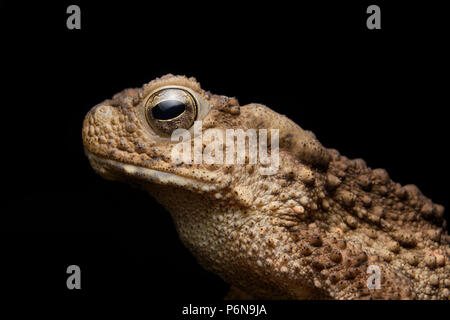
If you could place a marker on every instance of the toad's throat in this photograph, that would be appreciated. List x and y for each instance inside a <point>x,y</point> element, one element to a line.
<point>115,170</point>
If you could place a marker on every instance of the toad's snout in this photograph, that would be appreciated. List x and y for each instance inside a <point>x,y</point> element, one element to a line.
<point>98,126</point>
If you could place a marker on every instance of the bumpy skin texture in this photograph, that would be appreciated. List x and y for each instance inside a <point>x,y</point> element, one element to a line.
<point>308,232</point>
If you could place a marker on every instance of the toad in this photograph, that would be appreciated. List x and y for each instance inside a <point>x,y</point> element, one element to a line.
<point>322,226</point>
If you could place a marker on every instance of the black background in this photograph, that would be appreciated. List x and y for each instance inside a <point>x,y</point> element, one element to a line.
<point>376,94</point>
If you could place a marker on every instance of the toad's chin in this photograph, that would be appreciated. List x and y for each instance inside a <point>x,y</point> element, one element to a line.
<point>115,170</point>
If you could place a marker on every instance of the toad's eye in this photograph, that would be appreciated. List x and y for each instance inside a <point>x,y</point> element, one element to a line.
<point>169,109</point>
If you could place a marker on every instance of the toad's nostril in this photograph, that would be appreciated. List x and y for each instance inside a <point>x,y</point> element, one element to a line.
<point>102,112</point>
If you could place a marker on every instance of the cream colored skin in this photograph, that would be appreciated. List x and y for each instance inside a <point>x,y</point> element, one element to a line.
<point>308,232</point>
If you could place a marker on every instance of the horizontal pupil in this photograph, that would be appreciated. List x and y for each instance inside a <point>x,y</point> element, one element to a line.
<point>168,109</point>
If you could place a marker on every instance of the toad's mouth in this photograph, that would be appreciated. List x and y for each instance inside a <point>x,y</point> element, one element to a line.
<point>115,170</point>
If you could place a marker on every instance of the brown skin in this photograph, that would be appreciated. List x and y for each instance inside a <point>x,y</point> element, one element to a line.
<point>308,232</point>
